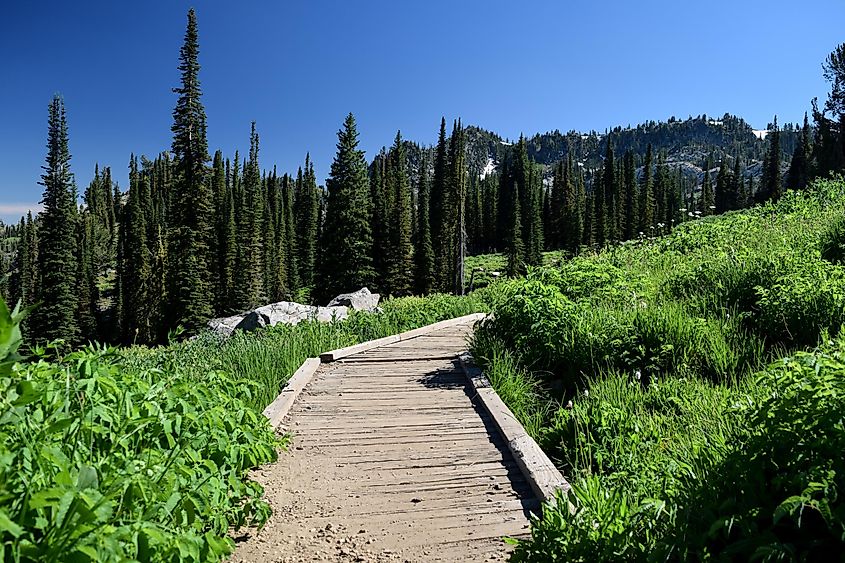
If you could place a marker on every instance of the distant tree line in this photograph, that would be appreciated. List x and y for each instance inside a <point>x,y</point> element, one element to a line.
<point>197,236</point>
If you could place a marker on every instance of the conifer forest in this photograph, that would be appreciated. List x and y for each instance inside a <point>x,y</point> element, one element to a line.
<point>655,310</point>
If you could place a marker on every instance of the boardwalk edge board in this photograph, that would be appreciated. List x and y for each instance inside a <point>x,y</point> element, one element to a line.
<point>279,408</point>
<point>334,355</point>
<point>545,479</point>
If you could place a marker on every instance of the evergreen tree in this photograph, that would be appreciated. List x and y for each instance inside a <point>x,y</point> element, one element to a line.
<point>424,252</point>
<point>631,196</point>
<point>736,187</point>
<point>306,211</point>
<point>798,175</point>
<point>28,260</point>
<point>772,182</point>
<point>610,194</point>
<point>534,254</point>
<point>382,220</point>
<point>723,185</point>
<point>347,240</point>
<point>515,250</point>
<point>218,246</point>
<point>662,192</point>
<point>400,276</point>
<point>249,274</point>
<point>647,202</point>
<point>190,218</point>
<point>457,214</point>
<point>708,196</point>
<point>600,208</point>
<point>439,204</point>
<point>288,258</point>
<point>56,288</point>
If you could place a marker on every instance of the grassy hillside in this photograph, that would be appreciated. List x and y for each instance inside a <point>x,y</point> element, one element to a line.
<point>666,379</point>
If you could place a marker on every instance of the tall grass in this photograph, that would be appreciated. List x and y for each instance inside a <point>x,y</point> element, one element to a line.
<point>659,349</point>
<point>268,357</point>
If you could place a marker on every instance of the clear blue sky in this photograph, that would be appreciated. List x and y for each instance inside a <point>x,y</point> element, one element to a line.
<point>298,67</point>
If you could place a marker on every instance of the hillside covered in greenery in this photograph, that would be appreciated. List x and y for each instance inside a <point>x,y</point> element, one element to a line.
<point>690,387</point>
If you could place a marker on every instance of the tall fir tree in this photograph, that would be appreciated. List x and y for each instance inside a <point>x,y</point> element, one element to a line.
<point>631,196</point>
<point>306,211</point>
<point>249,272</point>
<point>772,182</point>
<point>382,221</point>
<point>57,266</point>
<point>439,205</point>
<point>424,251</point>
<point>515,250</point>
<point>647,202</point>
<point>190,216</point>
<point>347,239</point>
<point>401,270</point>
<point>708,195</point>
<point>457,214</point>
<point>798,175</point>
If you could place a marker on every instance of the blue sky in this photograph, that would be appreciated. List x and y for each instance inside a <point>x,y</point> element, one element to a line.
<point>298,67</point>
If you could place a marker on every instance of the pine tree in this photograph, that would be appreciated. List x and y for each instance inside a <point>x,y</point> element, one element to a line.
<point>535,250</point>
<point>306,210</point>
<point>708,197</point>
<point>28,258</point>
<point>249,274</point>
<point>736,185</point>
<point>288,257</point>
<point>217,249</point>
<point>599,208</point>
<point>347,240</point>
<point>423,251</point>
<point>190,217</point>
<point>647,202</point>
<point>227,250</point>
<point>723,183</point>
<point>439,204</point>
<point>515,250</point>
<point>556,225</point>
<point>662,192</point>
<point>457,214</point>
<point>631,196</point>
<point>610,193</point>
<point>382,221</point>
<point>400,276</point>
<point>56,288</point>
<point>798,175</point>
<point>272,230</point>
<point>772,182</point>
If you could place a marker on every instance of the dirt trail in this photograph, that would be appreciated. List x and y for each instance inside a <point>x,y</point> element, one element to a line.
<point>391,461</point>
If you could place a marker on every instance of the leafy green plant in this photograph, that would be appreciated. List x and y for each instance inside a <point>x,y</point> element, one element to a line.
<point>100,463</point>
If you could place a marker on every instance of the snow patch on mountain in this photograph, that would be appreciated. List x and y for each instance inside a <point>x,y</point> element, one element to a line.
<point>488,169</point>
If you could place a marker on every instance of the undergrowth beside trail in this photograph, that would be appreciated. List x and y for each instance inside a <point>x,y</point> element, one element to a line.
<point>142,454</point>
<point>666,378</point>
<point>268,357</point>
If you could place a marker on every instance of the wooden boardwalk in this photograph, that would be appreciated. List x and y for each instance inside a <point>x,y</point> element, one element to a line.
<point>392,460</point>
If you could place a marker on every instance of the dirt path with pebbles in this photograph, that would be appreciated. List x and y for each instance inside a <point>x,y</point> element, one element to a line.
<point>391,461</point>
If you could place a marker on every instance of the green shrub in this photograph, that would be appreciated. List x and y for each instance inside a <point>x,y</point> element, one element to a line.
<point>832,245</point>
<point>778,493</point>
<point>100,463</point>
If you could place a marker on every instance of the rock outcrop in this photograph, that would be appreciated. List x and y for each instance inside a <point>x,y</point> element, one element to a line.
<point>288,312</point>
<point>361,300</point>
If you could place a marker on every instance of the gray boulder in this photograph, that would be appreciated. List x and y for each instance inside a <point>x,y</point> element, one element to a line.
<point>361,300</point>
<point>284,312</point>
<point>252,321</point>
